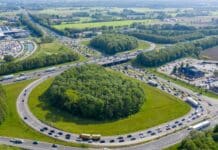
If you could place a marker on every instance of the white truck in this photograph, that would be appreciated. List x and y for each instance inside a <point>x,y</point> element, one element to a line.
<point>192,102</point>
<point>200,125</point>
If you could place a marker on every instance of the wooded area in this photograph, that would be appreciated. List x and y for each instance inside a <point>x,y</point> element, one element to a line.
<point>93,92</point>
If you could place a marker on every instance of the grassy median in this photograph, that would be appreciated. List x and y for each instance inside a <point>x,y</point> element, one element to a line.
<point>158,108</point>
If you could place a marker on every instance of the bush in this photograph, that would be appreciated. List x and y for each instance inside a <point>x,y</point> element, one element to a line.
<point>93,92</point>
<point>114,43</point>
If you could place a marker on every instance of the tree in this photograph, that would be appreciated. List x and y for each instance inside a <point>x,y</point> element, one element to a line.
<point>8,58</point>
<point>113,43</point>
<point>93,92</point>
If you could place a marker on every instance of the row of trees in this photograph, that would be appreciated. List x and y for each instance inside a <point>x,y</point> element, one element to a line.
<point>93,92</point>
<point>24,19</point>
<point>37,62</point>
<point>3,106</point>
<point>162,56</point>
<point>201,140</point>
<point>163,39</point>
<point>114,43</point>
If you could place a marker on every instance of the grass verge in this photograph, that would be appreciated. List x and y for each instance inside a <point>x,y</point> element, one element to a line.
<point>157,102</point>
<point>13,126</point>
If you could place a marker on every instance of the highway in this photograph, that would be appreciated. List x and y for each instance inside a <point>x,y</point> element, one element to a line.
<point>157,137</point>
<point>121,140</point>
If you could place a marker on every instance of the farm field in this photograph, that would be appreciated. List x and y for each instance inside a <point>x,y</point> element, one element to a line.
<point>13,126</point>
<point>100,24</point>
<point>211,53</point>
<point>50,48</point>
<point>157,102</point>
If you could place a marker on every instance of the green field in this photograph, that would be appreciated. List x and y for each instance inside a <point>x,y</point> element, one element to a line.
<point>13,126</point>
<point>157,102</point>
<point>50,48</point>
<point>100,24</point>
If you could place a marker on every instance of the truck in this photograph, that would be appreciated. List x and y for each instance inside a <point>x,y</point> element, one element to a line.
<point>7,77</point>
<point>200,125</point>
<point>86,137</point>
<point>192,102</point>
<point>152,83</point>
<point>96,137</point>
<point>50,69</point>
<point>21,78</point>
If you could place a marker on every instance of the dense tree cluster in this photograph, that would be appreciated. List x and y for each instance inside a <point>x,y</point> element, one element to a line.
<point>162,56</point>
<point>201,140</point>
<point>3,106</point>
<point>37,62</point>
<point>31,26</point>
<point>93,92</point>
<point>163,39</point>
<point>113,43</point>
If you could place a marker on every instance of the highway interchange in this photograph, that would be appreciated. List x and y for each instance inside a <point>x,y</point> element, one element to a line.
<point>165,132</point>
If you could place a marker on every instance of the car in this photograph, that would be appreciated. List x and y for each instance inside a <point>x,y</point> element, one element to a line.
<point>67,136</point>
<point>60,133</point>
<point>90,141</point>
<point>45,128</point>
<point>78,139</point>
<point>183,119</point>
<point>25,118</point>
<point>168,128</point>
<point>153,133</point>
<point>174,126</point>
<point>133,139</point>
<point>180,124</point>
<point>120,137</point>
<point>102,141</point>
<point>35,143</point>
<point>129,136</point>
<point>122,140</point>
<point>176,122</point>
<point>112,141</point>
<point>56,135</point>
<point>141,136</point>
<point>16,141</point>
<point>54,146</point>
<point>42,130</point>
<point>149,131</point>
<point>52,131</point>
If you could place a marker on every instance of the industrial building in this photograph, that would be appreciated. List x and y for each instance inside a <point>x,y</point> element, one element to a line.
<point>6,31</point>
<point>191,72</point>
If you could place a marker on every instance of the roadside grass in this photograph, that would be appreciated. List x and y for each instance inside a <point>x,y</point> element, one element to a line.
<point>100,24</point>
<point>173,147</point>
<point>187,85</point>
<point>6,147</point>
<point>13,126</point>
<point>49,49</point>
<point>158,108</point>
<point>141,45</point>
